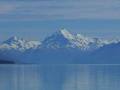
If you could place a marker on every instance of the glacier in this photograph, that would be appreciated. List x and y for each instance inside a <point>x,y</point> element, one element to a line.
<point>62,47</point>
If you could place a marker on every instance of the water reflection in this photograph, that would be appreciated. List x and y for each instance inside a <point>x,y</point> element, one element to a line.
<point>59,77</point>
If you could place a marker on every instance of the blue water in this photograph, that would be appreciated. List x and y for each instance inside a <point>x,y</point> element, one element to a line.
<point>59,77</point>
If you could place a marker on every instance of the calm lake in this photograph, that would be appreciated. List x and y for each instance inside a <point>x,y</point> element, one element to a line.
<point>59,77</point>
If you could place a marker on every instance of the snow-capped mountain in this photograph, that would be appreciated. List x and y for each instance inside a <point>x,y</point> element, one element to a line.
<point>64,39</point>
<point>20,44</point>
<point>59,39</point>
<point>61,47</point>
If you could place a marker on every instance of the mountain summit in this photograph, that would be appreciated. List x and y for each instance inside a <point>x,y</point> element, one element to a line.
<point>65,33</point>
<point>14,40</point>
<point>60,39</point>
<point>20,44</point>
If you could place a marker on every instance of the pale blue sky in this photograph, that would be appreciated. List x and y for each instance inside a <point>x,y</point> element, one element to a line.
<point>35,19</point>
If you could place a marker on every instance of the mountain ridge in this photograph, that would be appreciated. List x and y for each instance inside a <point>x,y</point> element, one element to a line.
<point>60,47</point>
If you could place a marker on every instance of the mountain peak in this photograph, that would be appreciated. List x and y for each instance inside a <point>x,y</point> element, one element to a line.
<point>65,33</point>
<point>20,44</point>
<point>14,39</point>
<point>59,39</point>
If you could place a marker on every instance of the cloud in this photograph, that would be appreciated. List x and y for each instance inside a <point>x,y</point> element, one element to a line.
<point>56,9</point>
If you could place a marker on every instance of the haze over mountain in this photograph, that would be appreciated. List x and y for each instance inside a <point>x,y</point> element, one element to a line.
<point>61,47</point>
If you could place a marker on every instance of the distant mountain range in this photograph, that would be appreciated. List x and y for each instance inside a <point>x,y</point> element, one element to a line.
<point>61,47</point>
